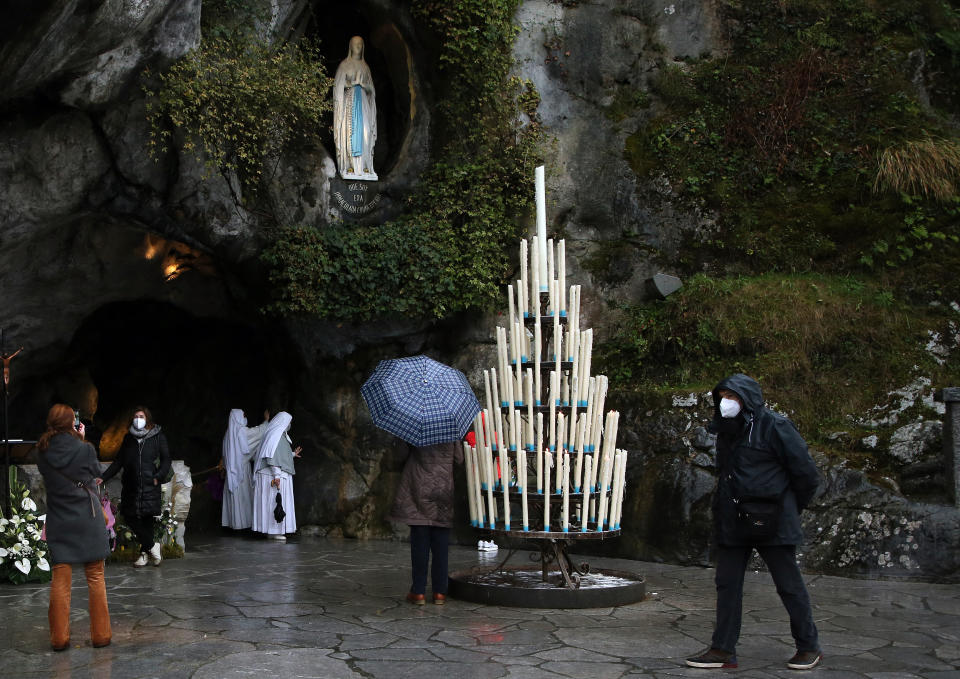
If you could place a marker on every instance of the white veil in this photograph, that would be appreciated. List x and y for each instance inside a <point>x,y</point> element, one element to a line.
<point>276,428</point>
<point>235,449</point>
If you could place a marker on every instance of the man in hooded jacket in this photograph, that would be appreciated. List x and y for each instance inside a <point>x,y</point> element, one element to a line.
<point>766,478</point>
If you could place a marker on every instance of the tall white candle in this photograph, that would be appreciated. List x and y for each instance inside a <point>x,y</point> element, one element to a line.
<point>487,391</point>
<point>546,498</point>
<point>572,436</point>
<point>507,375</point>
<point>518,393</point>
<point>541,219</point>
<point>539,453</point>
<point>505,461</point>
<point>578,478</point>
<point>537,349</point>
<point>551,273</point>
<point>529,432</point>
<point>558,454</point>
<point>534,280</point>
<point>490,485</point>
<point>585,507</point>
<point>620,485</point>
<point>557,343</point>
<point>524,284</point>
<point>554,396</point>
<point>565,512</point>
<point>477,492</point>
<point>511,307</point>
<point>562,275</point>
<point>468,463</point>
<point>522,479</point>
<point>588,429</point>
<point>495,412</point>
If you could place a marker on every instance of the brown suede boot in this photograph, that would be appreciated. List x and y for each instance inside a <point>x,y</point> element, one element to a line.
<point>100,634</point>
<point>59,611</point>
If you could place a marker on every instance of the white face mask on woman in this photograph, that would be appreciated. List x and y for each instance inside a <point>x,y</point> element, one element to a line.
<point>729,407</point>
<point>139,423</point>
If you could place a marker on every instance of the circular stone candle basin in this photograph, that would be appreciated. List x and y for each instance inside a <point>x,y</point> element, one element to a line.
<point>523,586</point>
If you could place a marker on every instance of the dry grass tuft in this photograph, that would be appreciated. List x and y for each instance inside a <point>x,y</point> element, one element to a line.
<point>928,167</point>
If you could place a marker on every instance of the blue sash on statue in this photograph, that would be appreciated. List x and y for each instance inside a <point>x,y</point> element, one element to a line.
<point>356,133</point>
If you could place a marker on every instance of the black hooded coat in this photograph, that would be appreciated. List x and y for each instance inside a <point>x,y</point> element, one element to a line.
<point>142,461</point>
<point>761,454</point>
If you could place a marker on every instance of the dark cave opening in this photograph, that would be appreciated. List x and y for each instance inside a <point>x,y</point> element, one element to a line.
<point>189,371</point>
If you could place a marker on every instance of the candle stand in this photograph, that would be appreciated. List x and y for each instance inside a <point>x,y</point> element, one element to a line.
<point>543,469</point>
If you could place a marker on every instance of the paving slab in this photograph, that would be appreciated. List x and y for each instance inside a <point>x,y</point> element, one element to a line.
<point>241,606</point>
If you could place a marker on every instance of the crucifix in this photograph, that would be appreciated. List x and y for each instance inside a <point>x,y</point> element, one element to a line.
<point>6,358</point>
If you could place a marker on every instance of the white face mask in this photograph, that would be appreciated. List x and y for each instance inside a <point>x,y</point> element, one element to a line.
<point>729,407</point>
<point>139,423</point>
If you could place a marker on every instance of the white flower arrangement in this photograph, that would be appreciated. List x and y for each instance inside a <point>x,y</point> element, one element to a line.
<point>165,525</point>
<point>22,551</point>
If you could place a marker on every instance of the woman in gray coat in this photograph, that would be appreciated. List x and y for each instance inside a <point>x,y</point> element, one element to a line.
<point>75,527</point>
<point>425,503</point>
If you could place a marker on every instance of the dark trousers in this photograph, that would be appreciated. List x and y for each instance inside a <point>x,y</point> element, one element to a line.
<point>782,562</point>
<point>142,527</point>
<point>424,541</point>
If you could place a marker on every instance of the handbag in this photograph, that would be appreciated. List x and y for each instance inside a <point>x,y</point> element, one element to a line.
<point>758,517</point>
<point>278,512</point>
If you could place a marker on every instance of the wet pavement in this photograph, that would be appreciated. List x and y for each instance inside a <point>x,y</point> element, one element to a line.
<point>243,607</point>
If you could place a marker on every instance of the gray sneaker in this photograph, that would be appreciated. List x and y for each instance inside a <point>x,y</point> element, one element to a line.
<point>805,660</point>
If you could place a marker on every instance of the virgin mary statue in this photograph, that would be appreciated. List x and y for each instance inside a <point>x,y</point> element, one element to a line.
<point>354,115</point>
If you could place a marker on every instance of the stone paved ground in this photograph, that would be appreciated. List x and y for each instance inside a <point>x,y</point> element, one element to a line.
<point>242,607</point>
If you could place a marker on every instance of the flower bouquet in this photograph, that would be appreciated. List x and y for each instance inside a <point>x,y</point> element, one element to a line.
<point>23,551</point>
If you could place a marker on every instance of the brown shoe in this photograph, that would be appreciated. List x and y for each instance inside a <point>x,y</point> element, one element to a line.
<point>715,659</point>
<point>439,599</point>
<point>805,660</point>
<point>417,599</point>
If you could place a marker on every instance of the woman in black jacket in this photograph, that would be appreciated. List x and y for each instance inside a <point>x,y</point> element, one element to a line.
<point>144,458</point>
<point>75,529</point>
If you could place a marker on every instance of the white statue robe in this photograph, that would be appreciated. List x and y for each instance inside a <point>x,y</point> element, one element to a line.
<point>351,72</point>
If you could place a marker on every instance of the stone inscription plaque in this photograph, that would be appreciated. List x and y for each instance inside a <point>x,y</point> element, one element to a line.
<point>354,199</point>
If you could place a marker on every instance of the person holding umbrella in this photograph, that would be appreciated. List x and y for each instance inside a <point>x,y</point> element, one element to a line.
<point>425,503</point>
<point>430,406</point>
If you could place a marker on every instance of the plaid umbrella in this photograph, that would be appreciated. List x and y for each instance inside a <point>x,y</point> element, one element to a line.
<point>420,400</point>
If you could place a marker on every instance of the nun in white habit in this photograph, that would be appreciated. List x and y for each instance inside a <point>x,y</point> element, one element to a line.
<point>238,443</point>
<point>274,474</point>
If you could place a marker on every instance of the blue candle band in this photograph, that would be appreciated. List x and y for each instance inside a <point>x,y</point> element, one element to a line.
<point>553,448</point>
<point>526,314</point>
<point>538,402</point>
<point>506,526</point>
<point>524,359</point>
<point>539,491</point>
<point>526,528</point>
<point>546,528</point>
<point>566,530</point>
<point>505,404</point>
<point>518,404</point>
<point>576,489</point>
<point>513,448</point>
<point>530,447</point>
<point>563,312</point>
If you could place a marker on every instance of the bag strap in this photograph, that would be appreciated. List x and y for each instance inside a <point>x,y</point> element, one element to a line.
<point>94,498</point>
